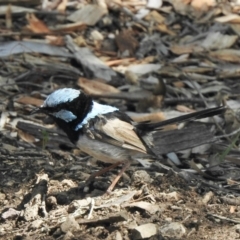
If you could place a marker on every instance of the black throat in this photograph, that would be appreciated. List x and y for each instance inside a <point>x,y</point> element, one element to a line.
<point>80,107</point>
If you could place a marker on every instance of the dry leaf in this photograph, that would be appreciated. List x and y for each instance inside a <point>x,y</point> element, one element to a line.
<point>178,84</point>
<point>124,62</point>
<point>193,70</point>
<point>164,28</point>
<point>95,87</point>
<point>182,58</point>
<point>26,137</point>
<point>182,108</point>
<point>126,43</point>
<point>62,6</point>
<point>89,14</point>
<point>184,49</point>
<point>216,40</point>
<point>30,100</point>
<point>35,25</point>
<point>230,55</point>
<point>141,69</point>
<point>181,6</point>
<point>56,40</point>
<point>156,17</point>
<point>231,18</point>
<point>50,5</point>
<point>203,4</point>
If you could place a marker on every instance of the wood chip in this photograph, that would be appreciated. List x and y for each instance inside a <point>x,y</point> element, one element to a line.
<point>111,218</point>
<point>96,87</point>
<point>89,14</point>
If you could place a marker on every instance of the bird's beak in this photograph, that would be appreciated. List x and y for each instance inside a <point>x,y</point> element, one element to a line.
<point>36,110</point>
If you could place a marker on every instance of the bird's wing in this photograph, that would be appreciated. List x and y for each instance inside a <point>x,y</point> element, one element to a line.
<point>117,132</point>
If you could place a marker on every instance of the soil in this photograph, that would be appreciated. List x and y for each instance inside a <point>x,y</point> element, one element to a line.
<point>57,177</point>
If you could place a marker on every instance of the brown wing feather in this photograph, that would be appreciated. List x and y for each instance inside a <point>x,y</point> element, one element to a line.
<point>121,131</point>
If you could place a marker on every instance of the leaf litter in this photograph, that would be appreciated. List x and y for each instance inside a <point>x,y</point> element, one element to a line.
<point>152,59</point>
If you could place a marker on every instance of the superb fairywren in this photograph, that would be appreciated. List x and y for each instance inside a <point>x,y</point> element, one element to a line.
<point>103,131</point>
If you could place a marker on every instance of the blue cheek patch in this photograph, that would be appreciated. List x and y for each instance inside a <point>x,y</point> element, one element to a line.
<point>65,115</point>
<point>96,110</point>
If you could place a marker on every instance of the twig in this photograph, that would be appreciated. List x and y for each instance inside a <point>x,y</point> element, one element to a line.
<point>236,220</point>
<point>91,209</point>
<point>43,206</point>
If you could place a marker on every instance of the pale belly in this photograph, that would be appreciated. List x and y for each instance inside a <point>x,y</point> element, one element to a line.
<point>104,151</point>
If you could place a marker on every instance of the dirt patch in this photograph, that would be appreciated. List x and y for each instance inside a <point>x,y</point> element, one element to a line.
<point>40,193</point>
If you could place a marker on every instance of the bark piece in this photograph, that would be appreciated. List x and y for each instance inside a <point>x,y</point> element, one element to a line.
<point>37,197</point>
<point>92,66</point>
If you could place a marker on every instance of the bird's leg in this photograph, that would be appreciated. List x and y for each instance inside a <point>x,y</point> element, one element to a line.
<point>101,172</point>
<point>126,165</point>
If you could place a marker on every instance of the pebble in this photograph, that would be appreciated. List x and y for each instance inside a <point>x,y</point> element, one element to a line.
<point>70,225</point>
<point>2,196</point>
<point>144,231</point>
<point>11,213</point>
<point>96,35</point>
<point>36,224</point>
<point>118,236</point>
<point>51,202</point>
<point>173,230</point>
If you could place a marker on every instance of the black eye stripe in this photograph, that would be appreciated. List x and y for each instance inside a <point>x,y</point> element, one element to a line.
<point>59,107</point>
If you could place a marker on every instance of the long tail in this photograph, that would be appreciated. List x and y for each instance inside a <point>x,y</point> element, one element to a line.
<point>188,117</point>
<point>177,140</point>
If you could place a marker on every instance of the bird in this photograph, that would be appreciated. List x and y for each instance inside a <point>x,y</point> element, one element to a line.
<point>103,131</point>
